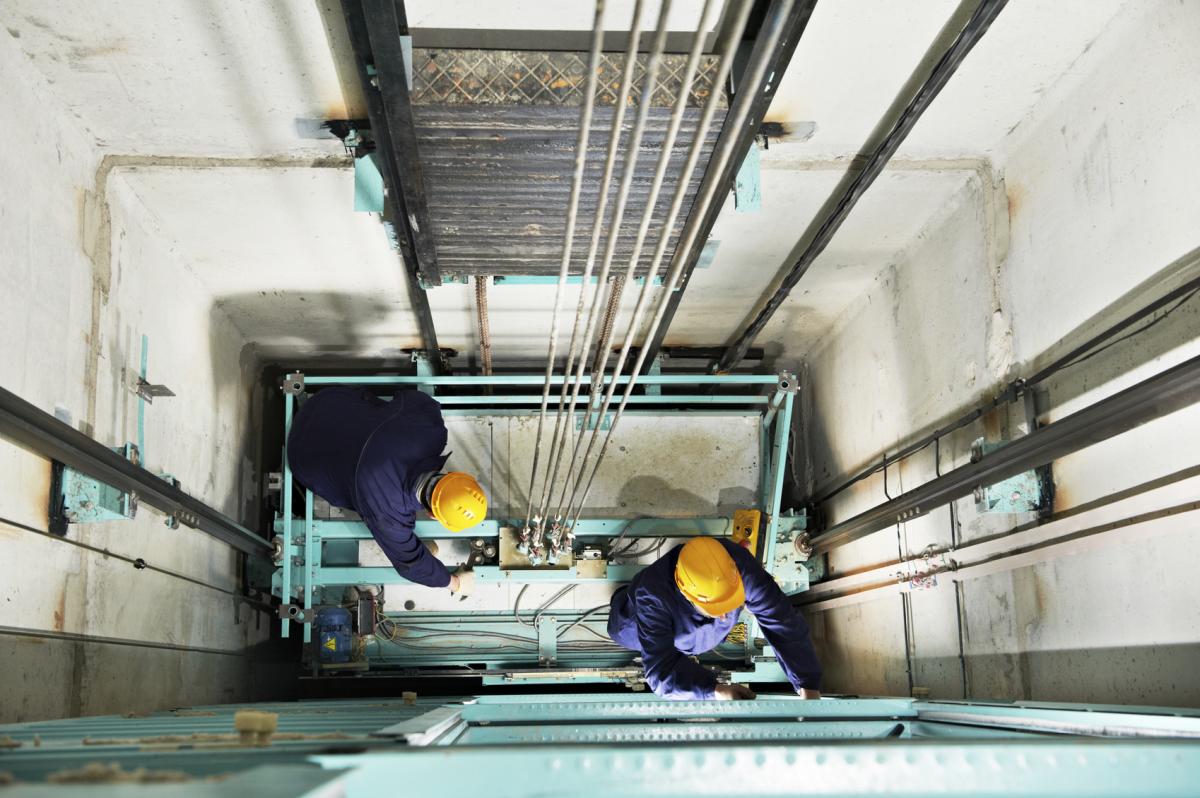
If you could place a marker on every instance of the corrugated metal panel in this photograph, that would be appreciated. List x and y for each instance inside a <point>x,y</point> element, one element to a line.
<point>523,77</point>
<point>498,179</point>
<point>496,134</point>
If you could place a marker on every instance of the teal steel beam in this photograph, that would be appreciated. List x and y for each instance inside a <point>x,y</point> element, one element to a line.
<point>289,403</point>
<point>783,423</point>
<point>1009,768</point>
<point>547,639</point>
<point>537,379</point>
<point>637,399</point>
<point>647,733</point>
<point>689,412</point>
<point>587,527</point>
<point>1073,721</point>
<point>386,575</point>
<point>571,709</point>
<point>312,562</point>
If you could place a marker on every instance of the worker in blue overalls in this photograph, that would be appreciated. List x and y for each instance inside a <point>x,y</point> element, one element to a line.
<point>384,461</point>
<point>687,602</point>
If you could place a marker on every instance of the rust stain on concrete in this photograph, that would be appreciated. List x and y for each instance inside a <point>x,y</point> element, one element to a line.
<point>60,612</point>
<point>993,425</point>
<point>1016,199</point>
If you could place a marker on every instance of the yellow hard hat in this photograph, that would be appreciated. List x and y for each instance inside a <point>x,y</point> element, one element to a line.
<point>708,577</point>
<point>457,501</point>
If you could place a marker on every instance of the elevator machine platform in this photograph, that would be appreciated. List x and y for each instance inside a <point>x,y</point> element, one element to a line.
<point>611,744</point>
<point>695,455</point>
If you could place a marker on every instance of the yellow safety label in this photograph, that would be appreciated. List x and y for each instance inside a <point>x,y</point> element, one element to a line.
<point>331,644</point>
<point>745,528</point>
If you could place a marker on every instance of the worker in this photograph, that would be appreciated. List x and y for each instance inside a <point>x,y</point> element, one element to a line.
<point>686,603</point>
<point>384,461</point>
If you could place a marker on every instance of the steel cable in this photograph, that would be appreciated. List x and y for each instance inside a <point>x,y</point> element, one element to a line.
<point>736,118</point>
<point>570,485</point>
<point>660,172</point>
<point>680,193</point>
<point>585,125</point>
<point>609,321</point>
<point>629,167</point>
<point>485,334</point>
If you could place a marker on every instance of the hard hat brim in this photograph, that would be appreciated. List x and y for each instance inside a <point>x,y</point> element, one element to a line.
<point>721,606</point>
<point>457,528</point>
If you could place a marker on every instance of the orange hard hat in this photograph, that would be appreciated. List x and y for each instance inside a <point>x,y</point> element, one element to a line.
<point>708,577</point>
<point>457,501</point>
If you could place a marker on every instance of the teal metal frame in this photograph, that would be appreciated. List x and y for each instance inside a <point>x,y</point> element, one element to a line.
<point>606,744</point>
<point>318,557</point>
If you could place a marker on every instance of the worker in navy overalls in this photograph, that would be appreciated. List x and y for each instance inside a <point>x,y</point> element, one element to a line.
<point>384,461</point>
<point>687,602</point>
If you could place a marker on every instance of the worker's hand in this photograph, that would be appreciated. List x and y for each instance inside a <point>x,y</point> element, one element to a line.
<point>462,583</point>
<point>733,692</point>
<point>808,694</point>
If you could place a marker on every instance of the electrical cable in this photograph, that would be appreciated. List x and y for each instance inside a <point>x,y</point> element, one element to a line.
<point>755,75</point>
<point>604,637</point>
<point>581,619</point>
<point>633,555</point>
<point>624,531</point>
<point>138,563</point>
<point>537,616</point>
<point>1147,326</point>
<point>517,607</point>
<point>585,125</point>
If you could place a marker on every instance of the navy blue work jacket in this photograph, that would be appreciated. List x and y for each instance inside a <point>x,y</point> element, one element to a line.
<point>651,616</point>
<point>365,454</point>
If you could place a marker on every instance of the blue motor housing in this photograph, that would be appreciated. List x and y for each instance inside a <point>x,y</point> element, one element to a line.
<point>332,635</point>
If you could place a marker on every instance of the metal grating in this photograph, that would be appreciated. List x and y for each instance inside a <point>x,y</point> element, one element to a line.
<point>498,179</point>
<point>520,77</point>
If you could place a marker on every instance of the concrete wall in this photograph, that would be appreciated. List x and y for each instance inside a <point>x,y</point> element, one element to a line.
<point>82,278</point>
<point>1085,214</point>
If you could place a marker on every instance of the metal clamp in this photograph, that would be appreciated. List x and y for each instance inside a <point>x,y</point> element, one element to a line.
<point>148,391</point>
<point>294,383</point>
<point>297,613</point>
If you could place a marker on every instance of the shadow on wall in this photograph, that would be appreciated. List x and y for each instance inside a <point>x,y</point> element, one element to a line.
<point>326,325</point>
<point>300,329</point>
<point>658,498</point>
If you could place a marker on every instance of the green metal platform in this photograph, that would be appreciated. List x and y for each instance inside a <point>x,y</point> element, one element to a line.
<point>611,744</point>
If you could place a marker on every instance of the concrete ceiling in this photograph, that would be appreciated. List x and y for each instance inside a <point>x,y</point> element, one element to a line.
<point>857,54</point>
<point>242,80</point>
<point>544,15</point>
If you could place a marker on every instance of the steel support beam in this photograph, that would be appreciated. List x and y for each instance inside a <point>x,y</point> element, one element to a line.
<point>897,124</point>
<point>398,160</point>
<point>25,424</point>
<point>1164,393</point>
<point>742,140</point>
<point>386,23</point>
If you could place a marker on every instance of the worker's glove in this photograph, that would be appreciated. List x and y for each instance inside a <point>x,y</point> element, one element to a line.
<point>462,583</point>
<point>733,692</point>
<point>807,693</point>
